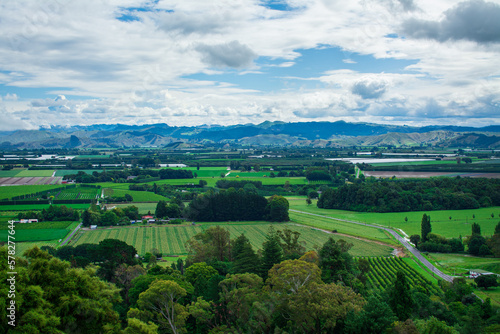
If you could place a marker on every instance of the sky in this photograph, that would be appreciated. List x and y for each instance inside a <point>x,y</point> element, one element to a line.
<point>193,62</point>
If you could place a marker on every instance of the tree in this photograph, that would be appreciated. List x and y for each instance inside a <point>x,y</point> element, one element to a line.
<point>244,257</point>
<point>277,209</point>
<point>375,317</point>
<point>476,242</point>
<point>290,244</point>
<point>476,229</point>
<point>161,209</point>
<point>335,262</point>
<point>415,239</point>
<point>56,298</point>
<point>290,275</point>
<point>486,281</point>
<point>318,308</point>
<point>203,183</point>
<point>494,241</point>
<point>400,298</point>
<point>162,298</point>
<point>308,201</point>
<point>200,269</point>
<point>213,244</point>
<point>425,227</point>
<point>272,252</point>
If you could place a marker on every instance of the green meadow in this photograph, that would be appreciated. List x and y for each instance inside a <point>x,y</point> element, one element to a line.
<point>459,225</point>
<point>170,239</point>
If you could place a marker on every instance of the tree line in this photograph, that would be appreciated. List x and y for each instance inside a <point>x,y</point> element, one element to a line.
<point>236,205</point>
<point>409,195</point>
<point>226,286</point>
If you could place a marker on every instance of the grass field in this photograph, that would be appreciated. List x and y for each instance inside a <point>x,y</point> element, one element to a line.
<point>143,207</point>
<point>460,223</point>
<point>9,192</point>
<point>461,263</point>
<point>28,207</point>
<point>64,172</point>
<point>170,239</point>
<point>35,234</point>
<point>24,172</point>
<point>138,196</point>
<point>35,173</point>
<point>366,232</point>
<point>22,246</point>
<point>39,225</point>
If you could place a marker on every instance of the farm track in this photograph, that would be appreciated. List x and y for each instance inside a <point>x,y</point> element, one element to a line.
<point>405,243</point>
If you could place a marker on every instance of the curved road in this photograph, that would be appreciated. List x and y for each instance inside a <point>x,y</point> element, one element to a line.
<point>71,235</point>
<point>405,243</point>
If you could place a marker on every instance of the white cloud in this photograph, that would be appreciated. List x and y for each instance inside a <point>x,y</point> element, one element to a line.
<point>137,71</point>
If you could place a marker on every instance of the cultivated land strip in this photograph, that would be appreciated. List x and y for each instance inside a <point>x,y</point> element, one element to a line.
<point>405,243</point>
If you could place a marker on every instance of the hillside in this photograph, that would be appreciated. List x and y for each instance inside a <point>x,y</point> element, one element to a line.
<point>317,134</point>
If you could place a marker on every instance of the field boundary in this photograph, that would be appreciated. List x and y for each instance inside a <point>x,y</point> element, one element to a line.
<point>405,243</point>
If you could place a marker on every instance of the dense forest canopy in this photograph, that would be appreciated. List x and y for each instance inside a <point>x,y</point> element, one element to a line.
<point>413,195</point>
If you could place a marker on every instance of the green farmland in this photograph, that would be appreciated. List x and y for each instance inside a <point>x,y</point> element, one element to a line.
<point>12,191</point>
<point>459,224</point>
<point>43,231</point>
<point>138,196</point>
<point>170,239</point>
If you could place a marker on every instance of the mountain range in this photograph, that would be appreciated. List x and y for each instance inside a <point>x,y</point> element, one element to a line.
<point>316,134</point>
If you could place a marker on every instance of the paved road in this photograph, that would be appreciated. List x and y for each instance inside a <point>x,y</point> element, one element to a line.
<point>405,243</point>
<point>71,235</point>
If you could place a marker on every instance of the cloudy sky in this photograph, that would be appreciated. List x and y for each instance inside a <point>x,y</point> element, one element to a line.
<point>191,62</point>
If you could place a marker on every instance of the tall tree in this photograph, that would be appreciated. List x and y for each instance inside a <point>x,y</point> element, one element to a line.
<point>289,241</point>
<point>425,227</point>
<point>277,209</point>
<point>476,229</point>
<point>400,298</point>
<point>161,209</point>
<point>244,257</point>
<point>336,264</point>
<point>162,298</point>
<point>271,252</point>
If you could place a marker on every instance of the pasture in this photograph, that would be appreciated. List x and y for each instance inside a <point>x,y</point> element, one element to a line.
<point>35,207</point>
<point>143,207</point>
<point>366,232</point>
<point>462,263</point>
<point>138,196</point>
<point>170,239</point>
<point>12,191</point>
<point>459,224</point>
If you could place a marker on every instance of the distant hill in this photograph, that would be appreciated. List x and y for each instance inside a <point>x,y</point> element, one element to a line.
<point>317,134</point>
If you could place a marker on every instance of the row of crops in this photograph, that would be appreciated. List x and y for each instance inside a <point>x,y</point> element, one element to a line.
<point>383,272</point>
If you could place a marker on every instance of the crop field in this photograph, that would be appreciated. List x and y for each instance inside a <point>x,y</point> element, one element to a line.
<point>35,173</point>
<point>143,207</point>
<point>30,207</point>
<point>459,224</point>
<point>383,272</point>
<point>39,225</point>
<point>205,171</point>
<point>366,232</point>
<point>138,196</point>
<point>9,192</point>
<point>64,172</point>
<point>76,193</point>
<point>170,239</point>
<point>35,234</point>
